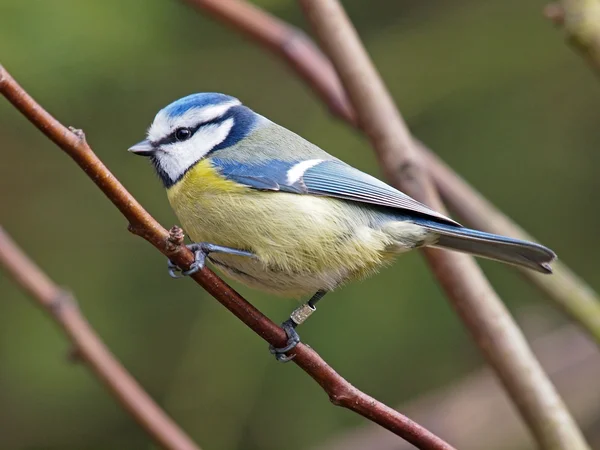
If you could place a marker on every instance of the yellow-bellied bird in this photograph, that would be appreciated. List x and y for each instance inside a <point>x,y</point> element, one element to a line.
<point>277,213</point>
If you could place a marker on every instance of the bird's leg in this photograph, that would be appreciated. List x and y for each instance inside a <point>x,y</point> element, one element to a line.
<point>201,250</point>
<point>297,317</point>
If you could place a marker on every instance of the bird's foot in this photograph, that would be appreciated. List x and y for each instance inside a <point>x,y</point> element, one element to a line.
<point>289,326</point>
<point>201,251</point>
<point>298,316</point>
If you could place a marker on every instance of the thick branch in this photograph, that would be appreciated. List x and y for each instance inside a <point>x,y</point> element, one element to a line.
<point>340,391</point>
<point>478,305</point>
<point>303,57</point>
<point>569,291</point>
<point>63,309</point>
<point>581,21</point>
<point>572,361</point>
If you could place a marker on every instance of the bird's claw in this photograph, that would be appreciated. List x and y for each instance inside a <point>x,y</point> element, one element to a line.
<point>199,262</point>
<point>289,326</point>
<point>173,269</point>
<point>201,251</point>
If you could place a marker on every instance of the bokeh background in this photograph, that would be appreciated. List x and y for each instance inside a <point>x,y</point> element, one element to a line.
<point>488,84</point>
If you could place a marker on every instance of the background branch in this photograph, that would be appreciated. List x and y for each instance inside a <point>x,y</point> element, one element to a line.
<point>571,360</point>
<point>340,391</point>
<point>571,293</point>
<point>480,308</point>
<point>62,307</point>
<point>581,22</point>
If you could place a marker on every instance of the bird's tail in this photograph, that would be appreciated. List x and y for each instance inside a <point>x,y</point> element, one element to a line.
<point>492,246</point>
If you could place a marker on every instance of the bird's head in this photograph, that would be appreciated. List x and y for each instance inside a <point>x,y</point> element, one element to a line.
<point>190,128</point>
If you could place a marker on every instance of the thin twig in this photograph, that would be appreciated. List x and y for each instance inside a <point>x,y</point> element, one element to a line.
<point>571,293</point>
<point>581,22</point>
<point>482,311</point>
<point>61,305</point>
<point>340,391</point>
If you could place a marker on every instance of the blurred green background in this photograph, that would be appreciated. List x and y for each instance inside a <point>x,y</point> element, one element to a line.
<point>489,85</point>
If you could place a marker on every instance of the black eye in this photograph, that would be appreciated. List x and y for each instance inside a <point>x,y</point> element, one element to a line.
<point>183,134</point>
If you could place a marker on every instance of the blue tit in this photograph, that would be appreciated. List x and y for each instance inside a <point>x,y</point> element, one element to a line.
<point>275,212</point>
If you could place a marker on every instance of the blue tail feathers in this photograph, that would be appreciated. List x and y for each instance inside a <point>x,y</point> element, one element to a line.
<point>492,246</point>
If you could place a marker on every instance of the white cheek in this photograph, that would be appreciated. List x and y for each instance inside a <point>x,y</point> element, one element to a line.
<point>175,159</point>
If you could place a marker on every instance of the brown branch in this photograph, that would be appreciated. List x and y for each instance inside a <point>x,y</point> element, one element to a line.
<point>89,347</point>
<point>289,43</point>
<point>572,294</point>
<point>340,391</point>
<point>572,361</point>
<point>569,291</point>
<point>581,22</point>
<point>482,311</point>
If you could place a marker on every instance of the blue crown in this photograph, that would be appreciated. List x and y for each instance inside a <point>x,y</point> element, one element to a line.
<point>179,107</point>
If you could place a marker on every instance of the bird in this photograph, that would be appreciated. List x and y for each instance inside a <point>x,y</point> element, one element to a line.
<point>277,213</point>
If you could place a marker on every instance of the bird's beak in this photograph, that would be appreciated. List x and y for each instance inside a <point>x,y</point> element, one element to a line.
<point>142,148</point>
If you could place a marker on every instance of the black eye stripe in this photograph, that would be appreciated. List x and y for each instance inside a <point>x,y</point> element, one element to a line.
<point>172,138</point>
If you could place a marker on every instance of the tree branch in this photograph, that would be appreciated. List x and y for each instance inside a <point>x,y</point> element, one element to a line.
<point>568,291</point>
<point>340,391</point>
<point>571,293</point>
<point>62,307</point>
<point>482,311</point>
<point>581,21</point>
<point>572,361</point>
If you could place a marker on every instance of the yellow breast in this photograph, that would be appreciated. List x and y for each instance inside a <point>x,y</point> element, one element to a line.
<point>300,240</point>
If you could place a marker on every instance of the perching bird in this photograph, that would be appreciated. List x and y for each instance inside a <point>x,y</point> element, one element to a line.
<point>277,213</point>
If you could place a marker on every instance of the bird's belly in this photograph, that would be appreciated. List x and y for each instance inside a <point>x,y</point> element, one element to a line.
<point>254,273</point>
<point>302,243</point>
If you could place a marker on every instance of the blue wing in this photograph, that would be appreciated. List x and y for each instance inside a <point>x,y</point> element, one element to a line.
<point>330,178</point>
